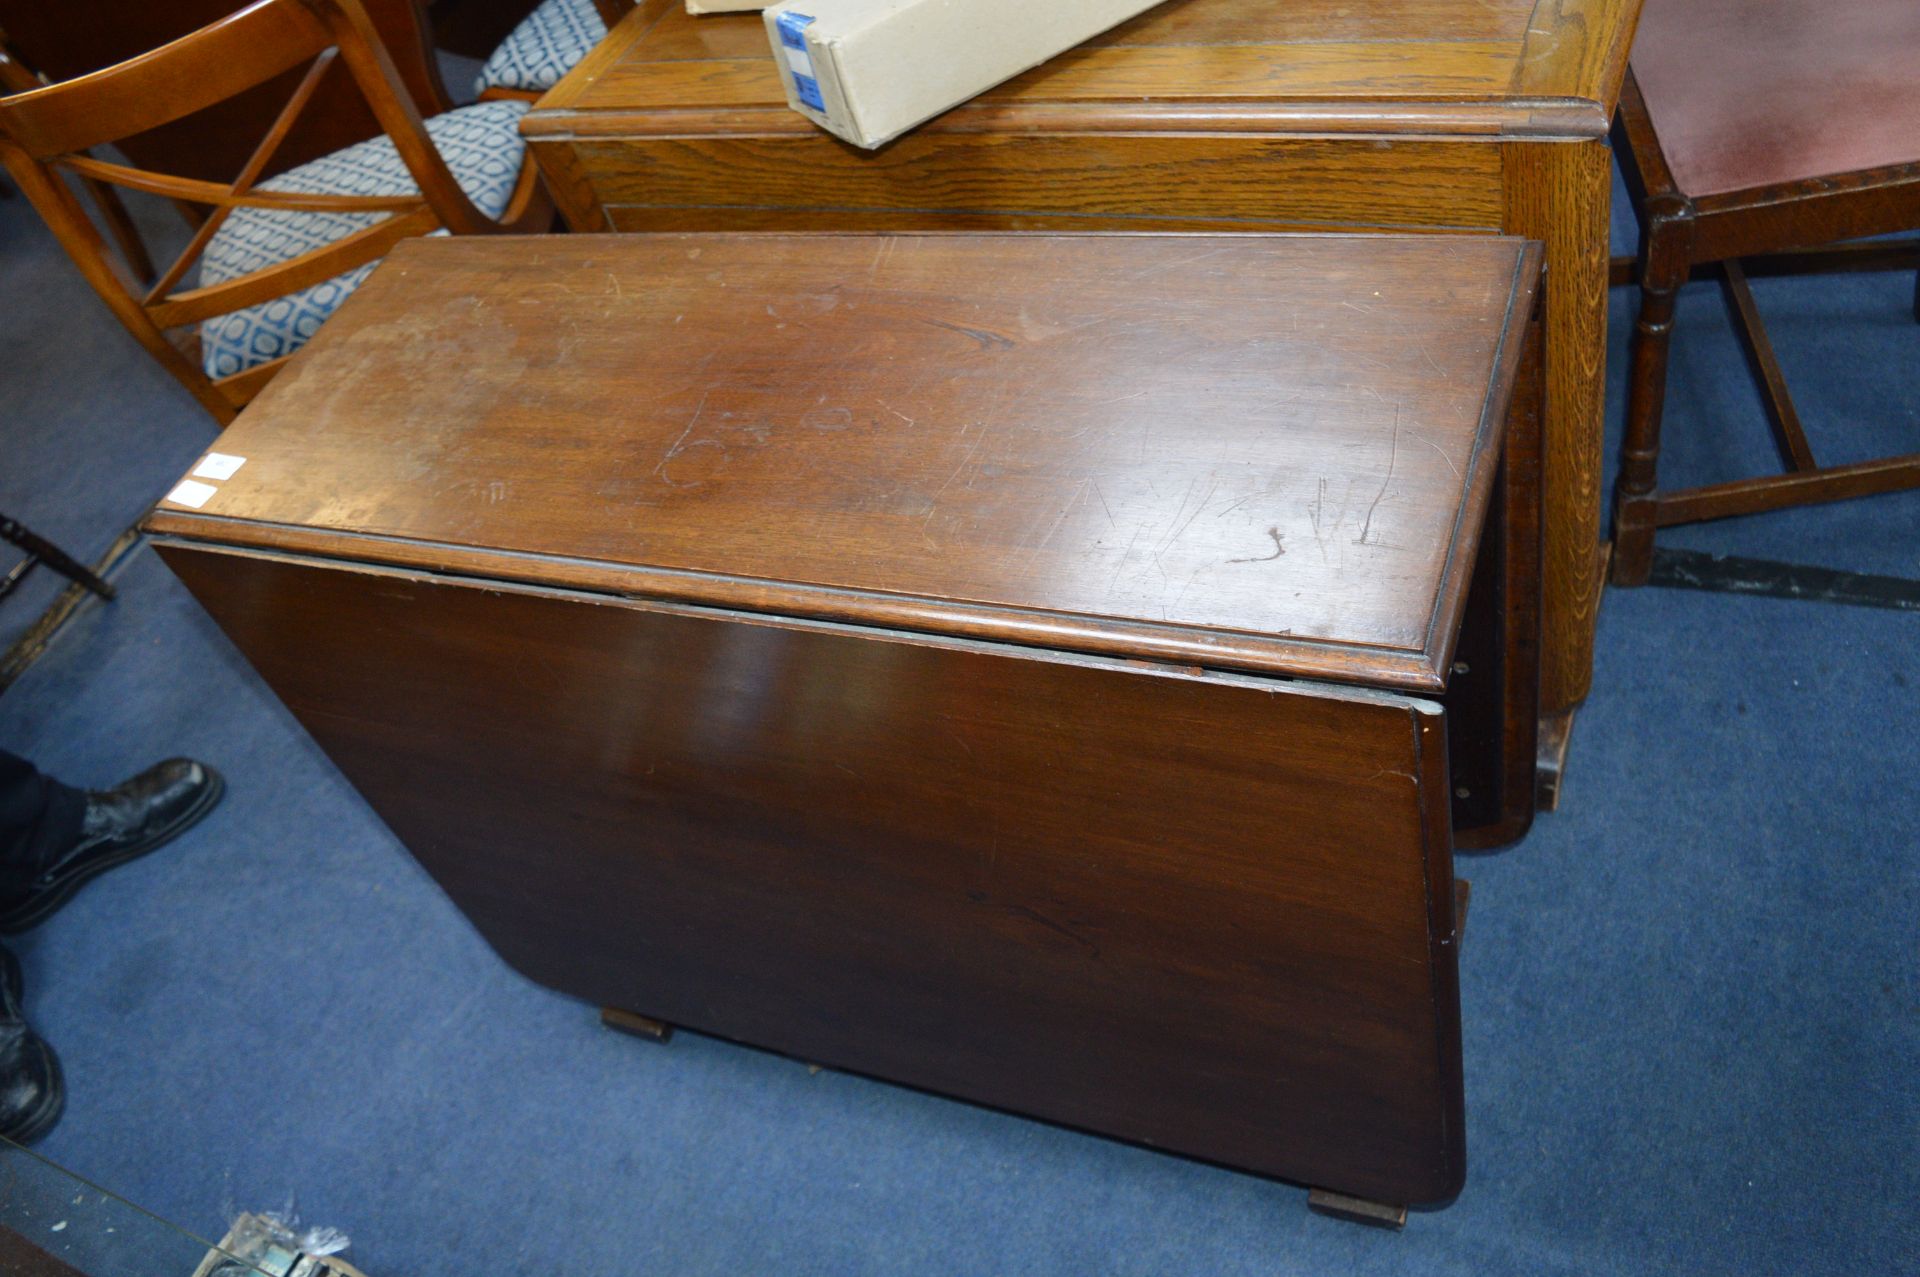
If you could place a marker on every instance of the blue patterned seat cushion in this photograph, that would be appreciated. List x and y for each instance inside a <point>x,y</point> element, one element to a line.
<point>543,48</point>
<point>482,147</point>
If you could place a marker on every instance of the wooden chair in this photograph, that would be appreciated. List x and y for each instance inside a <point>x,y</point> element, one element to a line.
<point>1752,133</point>
<point>72,38</point>
<point>16,78</point>
<point>39,551</point>
<point>274,256</point>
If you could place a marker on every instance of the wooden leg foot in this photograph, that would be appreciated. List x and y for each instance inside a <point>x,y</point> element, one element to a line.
<point>638,1026</point>
<point>1357,1210</point>
<point>1556,734</point>
<point>1633,531</point>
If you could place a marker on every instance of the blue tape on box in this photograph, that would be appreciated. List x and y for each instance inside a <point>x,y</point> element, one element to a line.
<point>792,26</point>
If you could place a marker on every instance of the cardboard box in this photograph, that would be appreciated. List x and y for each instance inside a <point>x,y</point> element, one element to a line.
<point>724,6</point>
<point>869,70</point>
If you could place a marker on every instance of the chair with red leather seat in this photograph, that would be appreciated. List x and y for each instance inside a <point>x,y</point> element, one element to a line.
<point>1754,136</point>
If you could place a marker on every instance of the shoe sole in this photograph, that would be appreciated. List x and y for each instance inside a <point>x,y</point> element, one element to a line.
<point>52,1105</point>
<point>47,903</point>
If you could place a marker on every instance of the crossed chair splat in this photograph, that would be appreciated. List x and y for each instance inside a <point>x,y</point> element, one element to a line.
<point>273,257</point>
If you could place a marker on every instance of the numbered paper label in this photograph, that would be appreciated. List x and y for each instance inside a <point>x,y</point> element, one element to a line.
<point>218,465</point>
<point>187,492</point>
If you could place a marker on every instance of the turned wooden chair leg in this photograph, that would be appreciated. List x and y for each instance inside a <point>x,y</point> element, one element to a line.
<point>1666,241</point>
<point>38,551</point>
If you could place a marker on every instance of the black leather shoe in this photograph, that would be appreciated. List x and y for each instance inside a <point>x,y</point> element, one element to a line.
<point>121,824</point>
<point>32,1091</point>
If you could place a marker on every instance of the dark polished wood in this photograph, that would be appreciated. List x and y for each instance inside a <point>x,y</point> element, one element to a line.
<point>938,657</point>
<point>1223,115</point>
<point>1190,910</point>
<point>49,132</point>
<point>859,428</point>
<point>1493,695</point>
<point>1732,179</point>
<point>475,28</point>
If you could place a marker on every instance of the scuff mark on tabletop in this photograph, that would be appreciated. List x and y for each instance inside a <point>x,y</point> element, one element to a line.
<point>1393,457</point>
<point>1437,448</point>
<point>987,340</point>
<point>1278,549</point>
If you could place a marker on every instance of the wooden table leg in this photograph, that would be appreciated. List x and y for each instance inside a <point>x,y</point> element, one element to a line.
<point>636,1025</point>
<point>1560,193</point>
<point>1357,1210</point>
<point>1493,699</point>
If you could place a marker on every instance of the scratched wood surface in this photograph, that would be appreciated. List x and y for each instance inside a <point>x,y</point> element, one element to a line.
<point>1262,452</point>
<point>553,546</point>
<point>1392,115</point>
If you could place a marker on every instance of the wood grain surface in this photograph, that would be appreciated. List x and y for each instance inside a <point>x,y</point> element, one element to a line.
<point>833,642</point>
<point>1267,453</point>
<point>1493,689</point>
<point>1395,115</point>
<point>1480,58</point>
<point>1206,912</point>
<point>1561,195</point>
<point>1247,183</point>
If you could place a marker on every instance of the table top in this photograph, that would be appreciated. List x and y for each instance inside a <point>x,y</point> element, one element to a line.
<point>1747,94</point>
<point>1548,68</point>
<point>1257,452</point>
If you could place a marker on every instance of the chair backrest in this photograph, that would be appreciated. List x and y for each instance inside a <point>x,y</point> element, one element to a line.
<point>65,39</point>
<point>16,78</point>
<point>49,130</point>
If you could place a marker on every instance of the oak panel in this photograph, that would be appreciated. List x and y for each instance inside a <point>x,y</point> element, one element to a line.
<point>1463,69</point>
<point>1323,182</point>
<point>1562,195</point>
<point>1315,49</point>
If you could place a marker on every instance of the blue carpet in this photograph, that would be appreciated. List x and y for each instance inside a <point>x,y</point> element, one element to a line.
<point>1692,997</point>
<point>92,432</point>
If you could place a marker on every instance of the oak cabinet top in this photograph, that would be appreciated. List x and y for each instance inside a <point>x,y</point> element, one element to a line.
<point>1256,452</point>
<point>1476,67</point>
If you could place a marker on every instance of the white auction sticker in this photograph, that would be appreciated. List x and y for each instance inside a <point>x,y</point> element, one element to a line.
<point>187,492</point>
<point>218,465</point>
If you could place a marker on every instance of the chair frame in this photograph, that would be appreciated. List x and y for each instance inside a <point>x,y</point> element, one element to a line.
<point>65,40</point>
<point>40,551</point>
<point>16,78</point>
<point>1788,228</point>
<point>45,133</point>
